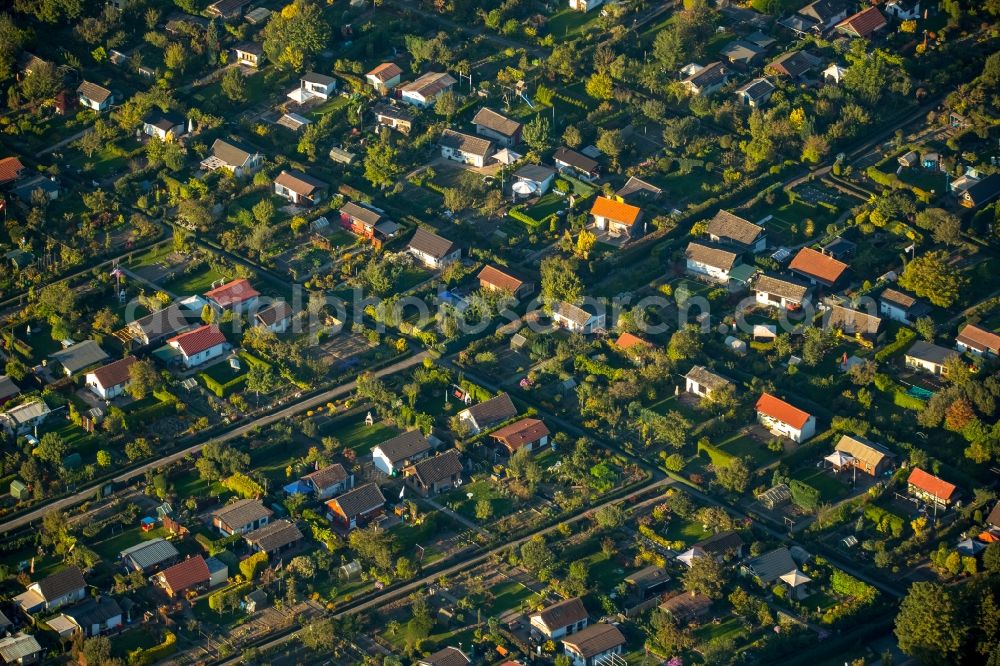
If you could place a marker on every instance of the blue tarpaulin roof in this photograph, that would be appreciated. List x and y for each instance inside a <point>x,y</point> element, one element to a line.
<point>298,488</point>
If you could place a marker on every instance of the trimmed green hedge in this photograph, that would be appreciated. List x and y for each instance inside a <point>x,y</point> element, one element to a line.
<point>904,338</point>
<point>803,494</point>
<point>903,399</point>
<point>144,657</point>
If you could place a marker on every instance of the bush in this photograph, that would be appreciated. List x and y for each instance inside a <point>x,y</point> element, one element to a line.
<point>884,521</point>
<point>904,337</point>
<point>901,398</point>
<point>804,495</point>
<point>243,485</point>
<point>146,656</point>
<point>222,390</point>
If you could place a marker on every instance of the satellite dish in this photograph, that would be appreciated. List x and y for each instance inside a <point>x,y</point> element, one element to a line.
<point>524,188</point>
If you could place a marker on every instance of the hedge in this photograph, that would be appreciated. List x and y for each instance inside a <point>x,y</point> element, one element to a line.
<point>146,656</point>
<point>243,485</point>
<point>904,337</point>
<point>518,214</point>
<point>222,390</point>
<point>151,413</point>
<point>803,494</point>
<point>903,399</point>
<point>884,521</point>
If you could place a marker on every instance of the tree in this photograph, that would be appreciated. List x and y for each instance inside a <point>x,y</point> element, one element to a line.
<point>600,86</point>
<point>537,558</point>
<point>704,576</point>
<point>585,242</point>
<point>16,369</point>
<point>137,449</point>
<point>12,39</point>
<point>576,583</point>
<point>43,82</point>
<point>536,132</point>
<point>420,624</point>
<point>611,143</point>
<point>50,11</point>
<point>814,148</point>
<point>523,468</point>
<point>663,630</point>
<point>260,379</point>
<point>931,277</point>
<point>97,650</point>
<point>609,517</point>
<point>685,343</point>
<point>105,321</point>
<point>572,137</point>
<point>872,74</point>
<point>52,448</point>
<point>381,167</point>
<point>373,547</point>
<point>456,199</point>
<point>929,625</point>
<point>735,476</point>
<point>104,458</point>
<point>175,57</point>
<point>143,379</point>
<point>926,327</point>
<point>295,34</point>
<point>559,281</point>
<point>234,84</point>
<point>446,105</point>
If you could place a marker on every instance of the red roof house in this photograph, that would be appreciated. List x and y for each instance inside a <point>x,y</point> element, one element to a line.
<point>10,170</point>
<point>528,434</point>
<point>817,267</point>
<point>109,380</point>
<point>236,295</point>
<point>182,576</point>
<point>863,24</point>
<point>930,488</point>
<point>785,419</point>
<point>200,345</point>
<point>978,340</point>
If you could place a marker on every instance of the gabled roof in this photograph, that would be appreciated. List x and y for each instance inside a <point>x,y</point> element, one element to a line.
<point>430,243</point>
<point>93,611</point>
<point>198,340</point>
<point>628,341</point>
<point>318,79</point>
<point>232,293</point>
<point>824,10</point>
<point>114,374</point>
<point>293,121</point>
<point>637,187</point>
<point>242,512</point>
<point>779,410</point>
<point>429,85</point>
<point>79,356</point>
<point>537,173</point>
<point>172,318</point>
<point>10,169</point>
<point>721,543</point>
<point>739,50</point>
<point>705,377</point>
<point>870,453</point>
<point>756,89</point>
<point>848,319</point>
<point>731,227</point>
<point>615,210</point>
<point>61,583</point>
<point>438,468</point>
<point>522,432</point>
<point>897,298</point>
<point>192,571</point>
<point>274,535</point>
<point>359,212</point>
<point>494,276</point>
<point>448,656</point>
<point>716,257</point>
<point>404,446</point>
<point>7,387</point>
<point>163,121</point>
<point>983,191</point>
<point>685,606</point>
<point>595,639</point>
<point>930,352</point>
<point>994,517</point>
<point>93,92</point>
<point>360,500</point>
<point>709,75</point>
<point>394,112</point>
<point>493,410</point>
<point>15,648</point>
<point>146,554</point>
<point>573,313</point>
<point>787,289</point>
<point>499,123</point>
<point>276,312</point>
<point>299,182</point>
<point>563,614</point>
<point>817,265</point>
<point>979,338</point>
<point>230,153</point>
<point>385,71</point>
<point>863,24</point>
<point>575,160</point>
<point>931,484</point>
<point>327,476</point>
<point>250,47</point>
<point>793,64</point>
<point>772,565</point>
<point>466,143</point>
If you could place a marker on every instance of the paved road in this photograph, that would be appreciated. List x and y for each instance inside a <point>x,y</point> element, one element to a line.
<point>237,431</point>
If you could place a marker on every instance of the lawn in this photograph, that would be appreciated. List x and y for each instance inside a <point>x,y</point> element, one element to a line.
<point>109,548</point>
<point>830,489</point>
<point>605,572</point>
<point>78,440</point>
<point>730,628</point>
<point>506,597</point>
<point>568,22</point>
<point>359,437</point>
<point>546,205</point>
<point>480,490</point>
<point>133,639</point>
<point>743,446</point>
<point>673,403</point>
<point>196,282</point>
<point>688,531</point>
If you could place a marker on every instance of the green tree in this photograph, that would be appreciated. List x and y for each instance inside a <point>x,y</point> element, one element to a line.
<point>572,137</point>
<point>704,576</point>
<point>685,343</point>
<point>537,557</point>
<point>668,636</point>
<point>16,369</point>
<point>373,547</point>
<point>43,82</point>
<point>260,379</point>
<point>138,449</point>
<point>295,34</point>
<point>559,281</point>
<point>611,143</point>
<point>50,11</point>
<point>600,86</point>
<point>735,476</point>
<point>12,39</point>
<point>872,74</point>
<point>52,448</point>
<point>536,132</point>
<point>175,57</point>
<point>381,166</point>
<point>446,105</point>
<point>929,625</point>
<point>609,517</point>
<point>931,276</point>
<point>143,379</point>
<point>234,84</point>
<point>97,650</point>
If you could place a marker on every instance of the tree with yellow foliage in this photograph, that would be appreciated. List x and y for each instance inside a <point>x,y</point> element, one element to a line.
<point>295,34</point>
<point>584,243</point>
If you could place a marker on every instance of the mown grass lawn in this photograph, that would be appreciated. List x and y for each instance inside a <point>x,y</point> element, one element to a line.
<point>743,446</point>
<point>830,489</point>
<point>196,282</point>
<point>687,531</point>
<point>359,437</point>
<point>730,628</point>
<point>480,490</point>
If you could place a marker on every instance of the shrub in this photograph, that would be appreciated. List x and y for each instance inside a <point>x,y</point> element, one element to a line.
<point>901,398</point>
<point>904,337</point>
<point>146,656</point>
<point>804,495</point>
<point>243,485</point>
